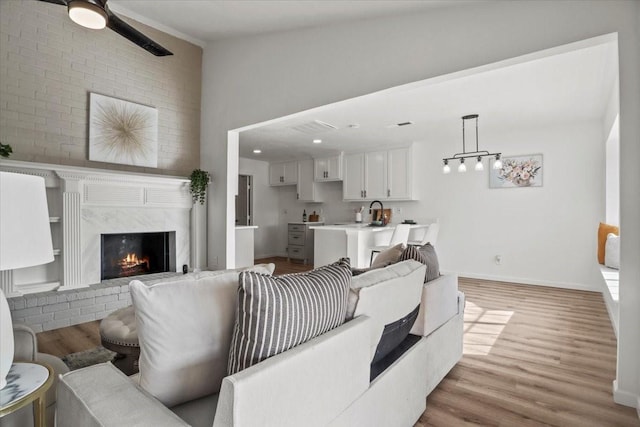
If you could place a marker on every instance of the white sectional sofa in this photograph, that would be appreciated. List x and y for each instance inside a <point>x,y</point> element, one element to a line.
<point>324,381</point>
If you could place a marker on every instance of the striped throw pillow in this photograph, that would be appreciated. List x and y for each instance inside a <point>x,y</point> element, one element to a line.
<point>278,313</point>
<point>427,255</point>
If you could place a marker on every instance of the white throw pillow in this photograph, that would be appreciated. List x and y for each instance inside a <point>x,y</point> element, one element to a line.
<point>184,330</point>
<point>612,251</point>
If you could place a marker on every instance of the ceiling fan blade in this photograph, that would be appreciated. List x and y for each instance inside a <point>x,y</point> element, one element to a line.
<point>60,2</point>
<point>127,31</point>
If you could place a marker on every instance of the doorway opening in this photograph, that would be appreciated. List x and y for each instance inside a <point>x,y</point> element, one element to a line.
<point>244,201</point>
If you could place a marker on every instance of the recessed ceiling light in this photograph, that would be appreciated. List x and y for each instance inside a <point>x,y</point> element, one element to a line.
<point>257,151</point>
<point>354,125</point>
<point>317,141</point>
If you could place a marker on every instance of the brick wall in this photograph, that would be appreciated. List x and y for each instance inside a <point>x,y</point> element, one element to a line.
<point>44,311</point>
<point>49,65</point>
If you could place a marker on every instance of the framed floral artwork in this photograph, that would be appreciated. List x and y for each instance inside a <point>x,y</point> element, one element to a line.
<point>122,132</point>
<point>518,171</point>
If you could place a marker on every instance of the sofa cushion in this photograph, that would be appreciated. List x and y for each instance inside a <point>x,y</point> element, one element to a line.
<point>425,254</point>
<point>100,395</point>
<point>278,313</point>
<point>603,232</point>
<point>260,268</point>
<point>612,251</point>
<point>184,331</point>
<point>386,295</point>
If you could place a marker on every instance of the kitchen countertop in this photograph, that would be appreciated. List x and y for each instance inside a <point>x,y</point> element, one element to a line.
<point>363,227</point>
<point>306,222</point>
<point>245,227</point>
<point>334,241</point>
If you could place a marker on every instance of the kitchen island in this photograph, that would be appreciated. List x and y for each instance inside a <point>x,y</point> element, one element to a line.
<point>332,242</point>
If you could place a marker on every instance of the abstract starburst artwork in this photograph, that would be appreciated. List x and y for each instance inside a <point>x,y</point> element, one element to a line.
<point>122,132</point>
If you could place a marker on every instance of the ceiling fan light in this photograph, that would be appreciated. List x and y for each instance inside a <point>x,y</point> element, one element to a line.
<point>479,166</point>
<point>462,168</point>
<point>87,14</point>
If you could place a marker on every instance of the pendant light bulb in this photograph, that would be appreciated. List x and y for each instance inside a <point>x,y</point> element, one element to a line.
<point>446,169</point>
<point>498,163</point>
<point>462,168</point>
<point>479,166</point>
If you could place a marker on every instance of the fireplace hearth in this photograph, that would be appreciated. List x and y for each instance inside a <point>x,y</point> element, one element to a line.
<point>134,254</point>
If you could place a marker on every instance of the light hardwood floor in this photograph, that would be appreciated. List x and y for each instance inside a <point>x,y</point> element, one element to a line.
<point>533,356</point>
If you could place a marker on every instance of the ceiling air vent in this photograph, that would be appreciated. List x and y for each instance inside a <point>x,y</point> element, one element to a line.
<point>397,125</point>
<point>314,127</point>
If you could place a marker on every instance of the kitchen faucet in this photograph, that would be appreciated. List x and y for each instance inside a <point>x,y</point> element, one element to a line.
<point>381,211</point>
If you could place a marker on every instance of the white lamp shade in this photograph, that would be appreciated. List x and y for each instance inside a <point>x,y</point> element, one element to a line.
<point>6,340</point>
<point>25,233</point>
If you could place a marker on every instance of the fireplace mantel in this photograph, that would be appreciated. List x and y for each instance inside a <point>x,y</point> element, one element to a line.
<point>85,202</point>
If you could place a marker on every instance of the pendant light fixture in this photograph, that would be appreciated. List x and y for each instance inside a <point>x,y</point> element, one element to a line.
<point>497,164</point>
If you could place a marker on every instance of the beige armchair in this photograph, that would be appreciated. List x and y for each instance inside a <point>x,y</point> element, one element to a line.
<point>26,349</point>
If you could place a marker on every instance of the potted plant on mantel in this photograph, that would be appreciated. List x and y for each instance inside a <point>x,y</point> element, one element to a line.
<point>199,182</point>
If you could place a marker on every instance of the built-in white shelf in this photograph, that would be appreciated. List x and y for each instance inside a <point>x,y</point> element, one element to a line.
<point>56,252</point>
<point>54,219</point>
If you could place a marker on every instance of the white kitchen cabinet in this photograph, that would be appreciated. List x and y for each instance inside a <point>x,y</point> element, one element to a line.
<point>283,173</point>
<point>328,168</point>
<point>375,175</point>
<point>399,174</point>
<point>307,188</point>
<point>378,175</point>
<point>353,182</point>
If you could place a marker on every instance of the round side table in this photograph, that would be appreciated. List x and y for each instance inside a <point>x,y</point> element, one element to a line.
<point>27,382</point>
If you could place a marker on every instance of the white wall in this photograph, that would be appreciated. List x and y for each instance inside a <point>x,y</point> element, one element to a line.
<point>613,175</point>
<point>249,80</point>
<point>265,207</point>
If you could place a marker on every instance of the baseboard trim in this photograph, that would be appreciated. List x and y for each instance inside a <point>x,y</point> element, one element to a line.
<point>262,256</point>
<point>612,309</point>
<point>625,398</point>
<point>526,281</point>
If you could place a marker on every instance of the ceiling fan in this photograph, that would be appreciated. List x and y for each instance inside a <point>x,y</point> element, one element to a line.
<point>96,14</point>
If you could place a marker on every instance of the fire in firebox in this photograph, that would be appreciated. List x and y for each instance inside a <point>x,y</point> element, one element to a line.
<point>134,254</point>
<point>131,265</point>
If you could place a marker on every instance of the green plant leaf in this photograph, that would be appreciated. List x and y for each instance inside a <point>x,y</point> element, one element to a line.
<point>5,150</point>
<point>198,186</point>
